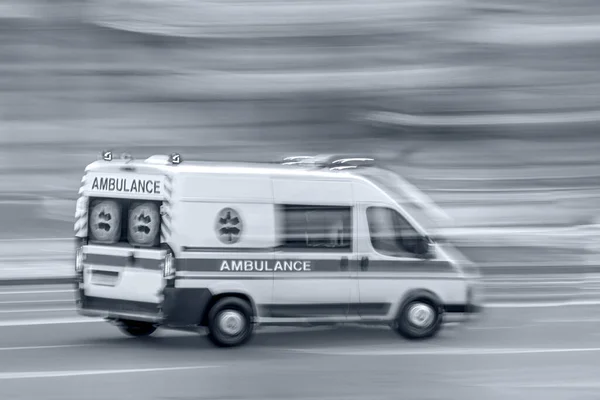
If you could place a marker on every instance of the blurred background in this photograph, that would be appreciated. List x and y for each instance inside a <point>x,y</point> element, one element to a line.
<point>490,107</point>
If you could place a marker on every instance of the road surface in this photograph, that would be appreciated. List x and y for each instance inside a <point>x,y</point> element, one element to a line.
<point>517,353</point>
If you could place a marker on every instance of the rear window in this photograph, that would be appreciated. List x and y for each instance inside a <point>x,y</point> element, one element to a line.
<point>124,221</point>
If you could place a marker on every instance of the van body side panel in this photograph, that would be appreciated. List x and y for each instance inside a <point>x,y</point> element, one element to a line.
<point>311,285</point>
<point>310,282</point>
<point>225,233</point>
<point>312,191</point>
<point>221,187</point>
<point>247,273</point>
<point>229,226</point>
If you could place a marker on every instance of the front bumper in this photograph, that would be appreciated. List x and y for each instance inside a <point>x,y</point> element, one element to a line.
<point>462,312</point>
<point>179,307</point>
<point>463,309</point>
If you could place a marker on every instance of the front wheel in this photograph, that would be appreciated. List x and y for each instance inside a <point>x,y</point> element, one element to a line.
<point>230,322</point>
<point>418,319</point>
<point>137,328</point>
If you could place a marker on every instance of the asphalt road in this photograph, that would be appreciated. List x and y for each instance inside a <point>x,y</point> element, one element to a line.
<point>517,353</point>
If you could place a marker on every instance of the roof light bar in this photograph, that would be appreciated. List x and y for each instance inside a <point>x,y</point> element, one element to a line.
<point>173,158</point>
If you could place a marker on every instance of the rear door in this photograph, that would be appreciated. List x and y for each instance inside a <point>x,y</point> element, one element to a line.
<point>123,259</point>
<point>123,273</point>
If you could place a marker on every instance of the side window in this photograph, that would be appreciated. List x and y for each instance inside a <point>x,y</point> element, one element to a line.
<point>390,233</point>
<point>315,228</point>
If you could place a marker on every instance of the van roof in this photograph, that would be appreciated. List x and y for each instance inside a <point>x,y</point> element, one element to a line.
<point>239,167</point>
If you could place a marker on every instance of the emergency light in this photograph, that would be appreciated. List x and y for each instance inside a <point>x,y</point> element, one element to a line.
<point>173,158</point>
<point>106,155</point>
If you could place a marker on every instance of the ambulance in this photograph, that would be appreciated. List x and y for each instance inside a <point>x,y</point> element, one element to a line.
<point>225,247</point>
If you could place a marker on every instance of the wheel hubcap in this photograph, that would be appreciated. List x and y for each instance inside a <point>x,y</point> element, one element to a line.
<point>231,322</point>
<point>421,315</point>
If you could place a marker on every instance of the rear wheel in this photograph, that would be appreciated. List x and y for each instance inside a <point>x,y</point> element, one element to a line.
<point>418,319</point>
<point>137,328</point>
<point>230,322</point>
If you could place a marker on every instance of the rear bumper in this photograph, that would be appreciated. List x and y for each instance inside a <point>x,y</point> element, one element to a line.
<point>179,307</point>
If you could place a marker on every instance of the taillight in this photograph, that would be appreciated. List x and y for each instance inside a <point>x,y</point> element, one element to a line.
<point>79,260</point>
<point>79,255</point>
<point>169,266</point>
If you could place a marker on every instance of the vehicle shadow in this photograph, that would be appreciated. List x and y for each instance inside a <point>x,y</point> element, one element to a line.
<point>276,339</point>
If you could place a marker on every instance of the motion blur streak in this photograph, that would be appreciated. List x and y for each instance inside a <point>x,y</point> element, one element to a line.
<point>490,107</point>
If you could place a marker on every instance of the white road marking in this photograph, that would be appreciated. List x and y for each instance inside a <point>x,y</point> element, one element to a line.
<point>574,303</point>
<point>37,301</point>
<point>53,321</point>
<point>34,265</point>
<point>494,328</point>
<point>516,283</point>
<point>35,310</point>
<point>38,240</point>
<point>37,292</point>
<point>566,321</point>
<point>64,374</point>
<point>352,351</point>
<point>529,296</point>
<point>567,384</point>
<point>59,346</point>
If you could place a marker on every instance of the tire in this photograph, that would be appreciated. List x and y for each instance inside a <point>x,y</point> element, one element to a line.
<point>231,314</point>
<point>137,328</point>
<point>418,319</point>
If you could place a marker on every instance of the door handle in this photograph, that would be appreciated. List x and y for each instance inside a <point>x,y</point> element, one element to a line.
<point>364,263</point>
<point>344,264</point>
<point>131,259</point>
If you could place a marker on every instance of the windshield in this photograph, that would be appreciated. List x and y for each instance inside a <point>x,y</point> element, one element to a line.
<point>420,207</point>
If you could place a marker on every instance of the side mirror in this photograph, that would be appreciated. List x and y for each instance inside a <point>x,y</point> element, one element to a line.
<point>424,248</point>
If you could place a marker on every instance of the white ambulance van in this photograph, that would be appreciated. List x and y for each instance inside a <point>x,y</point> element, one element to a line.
<point>228,246</point>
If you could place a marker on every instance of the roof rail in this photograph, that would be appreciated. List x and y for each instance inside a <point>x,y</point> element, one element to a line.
<point>298,160</point>
<point>157,159</point>
<point>331,161</point>
<point>353,162</point>
<point>173,158</point>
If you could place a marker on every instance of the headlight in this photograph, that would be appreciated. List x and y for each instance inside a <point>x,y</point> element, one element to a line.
<point>79,258</point>
<point>169,266</point>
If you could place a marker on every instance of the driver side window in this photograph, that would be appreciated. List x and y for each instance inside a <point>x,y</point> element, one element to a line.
<point>390,233</point>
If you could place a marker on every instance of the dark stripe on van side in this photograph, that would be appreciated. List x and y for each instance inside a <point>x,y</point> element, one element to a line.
<point>315,265</point>
<point>305,310</point>
<point>370,309</point>
<point>407,266</point>
<point>276,250</point>
<point>122,261</point>
<point>227,249</point>
<point>300,276</point>
<point>324,310</point>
